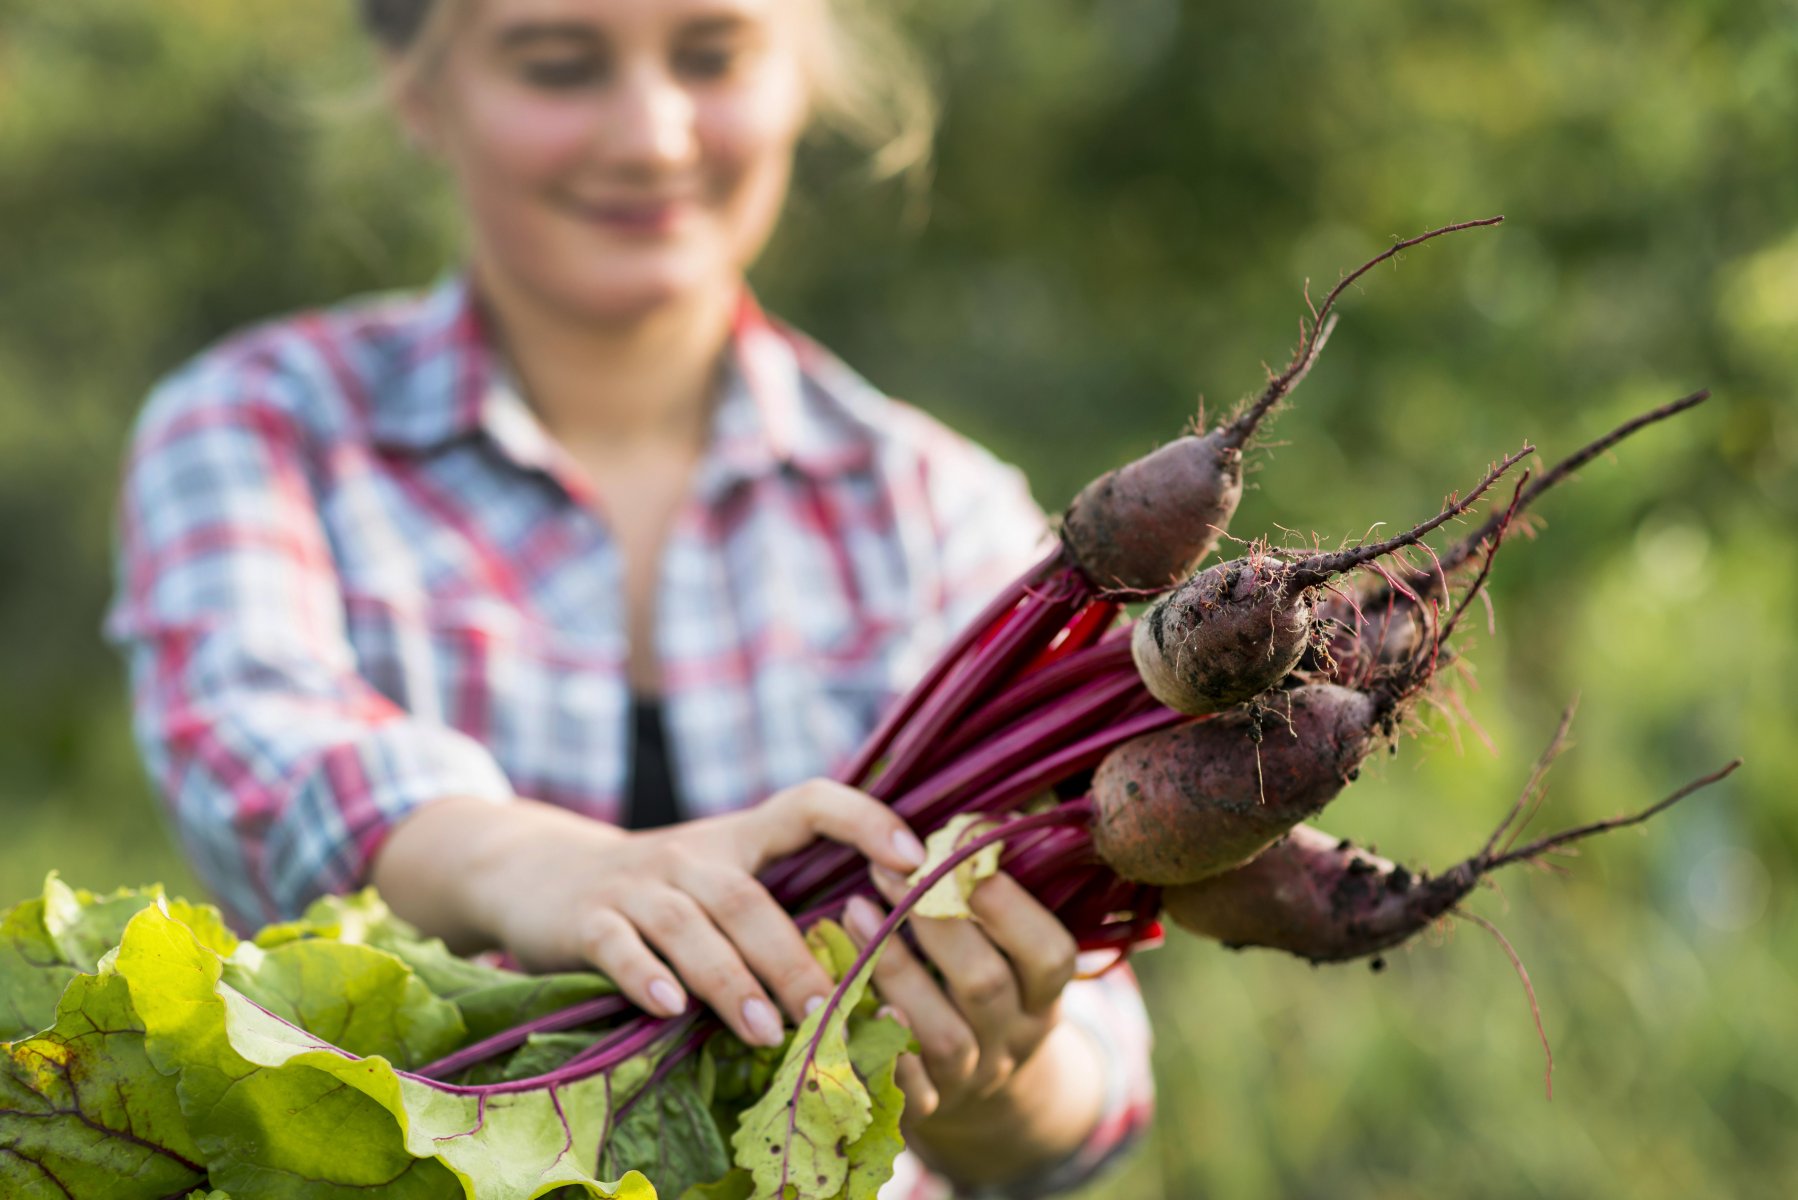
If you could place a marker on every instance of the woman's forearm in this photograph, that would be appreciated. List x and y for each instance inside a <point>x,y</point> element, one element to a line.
<point>440,865</point>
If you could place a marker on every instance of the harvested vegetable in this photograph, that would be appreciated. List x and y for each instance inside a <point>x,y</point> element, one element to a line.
<point>1236,629</point>
<point>148,1051</point>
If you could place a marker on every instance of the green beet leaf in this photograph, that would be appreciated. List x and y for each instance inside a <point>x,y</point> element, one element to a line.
<point>46,941</point>
<point>820,1133</point>
<point>87,925</point>
<point>358,998</point>
<point>874,1049</point>
<point>491,998</point>
<point>33,972</point>
<point>281,1115</point>
<point>669,1135</point>
<point>738,1185</point>
<point>83,1113</point>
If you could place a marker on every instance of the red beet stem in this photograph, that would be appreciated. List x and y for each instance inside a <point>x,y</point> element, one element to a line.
<point>855,771</point>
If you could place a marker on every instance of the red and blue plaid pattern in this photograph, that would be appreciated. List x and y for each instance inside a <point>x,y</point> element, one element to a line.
<point>356,574</point>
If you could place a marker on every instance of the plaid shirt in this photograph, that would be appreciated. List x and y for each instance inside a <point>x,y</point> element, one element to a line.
<point>356,574</point>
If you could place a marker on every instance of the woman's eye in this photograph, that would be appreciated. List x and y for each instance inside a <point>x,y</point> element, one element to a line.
<point>710,62</point>
<point>558,74</point>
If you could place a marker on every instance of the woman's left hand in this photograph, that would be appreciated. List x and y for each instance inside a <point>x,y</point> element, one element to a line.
<point>1001,977</point>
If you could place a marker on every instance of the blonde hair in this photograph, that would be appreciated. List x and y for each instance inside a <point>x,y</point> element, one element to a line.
<point>865,82</point>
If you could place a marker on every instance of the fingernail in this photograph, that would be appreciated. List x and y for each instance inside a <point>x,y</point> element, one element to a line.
<point>909,849</point>
<point>813,1005</point>
<point>667,997</point>
<point>892,1014</point>
<point>763,1025</point>
<point>862,918</point>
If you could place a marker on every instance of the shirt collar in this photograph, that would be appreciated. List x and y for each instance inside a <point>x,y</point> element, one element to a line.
<point>440,370</point>
<point>784,402</point>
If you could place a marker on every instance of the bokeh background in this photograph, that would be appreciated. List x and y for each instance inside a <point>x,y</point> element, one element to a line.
<point>1128,200</point>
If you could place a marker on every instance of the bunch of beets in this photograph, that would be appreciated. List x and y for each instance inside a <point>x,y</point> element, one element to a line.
<point>1165,766</point>
<point>1117,771</point>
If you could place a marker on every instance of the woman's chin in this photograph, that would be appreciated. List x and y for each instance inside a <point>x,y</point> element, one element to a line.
<point>628,296</point>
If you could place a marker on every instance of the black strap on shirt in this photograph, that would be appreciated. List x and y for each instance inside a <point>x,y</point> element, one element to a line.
<point>651,802</point>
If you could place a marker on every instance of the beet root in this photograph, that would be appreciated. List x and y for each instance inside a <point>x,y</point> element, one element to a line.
<point>1317,897</point>
<point>1230,633</point>
<point>1190,802</point>
<point>1358,646</point>
<point>1322,899</point>
<point>1148,523</point>
<point>1238,628</point>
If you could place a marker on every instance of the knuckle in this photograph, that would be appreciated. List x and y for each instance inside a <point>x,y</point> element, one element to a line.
<point>1061,965</point>
<point>738,891</point>
<point>664,913</point>
<point>603,936</point>
<point>799,979</point>
<point>993,1072</point>
<point>659,859</point>
<point>952,1052</point>
<point>895,959</point>
<point>921,1095</point>
<point>675,861</point>
<point>986,985</point>
<point>801,797</point>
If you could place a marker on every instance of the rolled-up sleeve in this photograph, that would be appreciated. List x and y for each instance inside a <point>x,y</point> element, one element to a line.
<point>283,768</point>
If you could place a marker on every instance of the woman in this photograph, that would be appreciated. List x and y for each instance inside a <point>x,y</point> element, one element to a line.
<point>435,593</point>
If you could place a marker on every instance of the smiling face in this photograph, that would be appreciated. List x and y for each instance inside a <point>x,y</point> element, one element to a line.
<point>615,157</point>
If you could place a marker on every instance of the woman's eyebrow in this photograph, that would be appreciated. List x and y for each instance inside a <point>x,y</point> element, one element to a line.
<point>715,26</point>
<point>524,36</point>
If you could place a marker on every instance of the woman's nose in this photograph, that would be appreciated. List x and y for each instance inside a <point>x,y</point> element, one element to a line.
<point>651,125</point>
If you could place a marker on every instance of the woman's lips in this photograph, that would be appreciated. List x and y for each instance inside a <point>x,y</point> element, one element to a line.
<point>638,218</point>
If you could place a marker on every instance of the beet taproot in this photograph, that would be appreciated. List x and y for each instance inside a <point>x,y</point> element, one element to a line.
<point>1312,895</point>
<point>1186,803</point>
<point>1236,629</point>
<point>1323,899</point>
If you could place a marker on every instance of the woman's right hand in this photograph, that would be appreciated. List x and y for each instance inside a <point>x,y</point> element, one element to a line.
<point>660,912</point>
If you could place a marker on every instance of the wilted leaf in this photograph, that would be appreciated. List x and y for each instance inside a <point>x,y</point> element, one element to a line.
<point>949,896</point>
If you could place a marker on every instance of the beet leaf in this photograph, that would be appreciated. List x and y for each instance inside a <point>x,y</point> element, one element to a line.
<point>82,1111</point>
<point>827,1128</point>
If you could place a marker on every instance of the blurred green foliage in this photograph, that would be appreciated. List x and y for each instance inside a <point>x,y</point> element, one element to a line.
<point>1129,198</point>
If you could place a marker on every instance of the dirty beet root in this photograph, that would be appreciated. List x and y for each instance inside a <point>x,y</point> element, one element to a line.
<point>1323,899</point>
<point>1238,628</point>
<point>1186,803</point>
<point>1317,897</point>
<point>1146,524</point>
